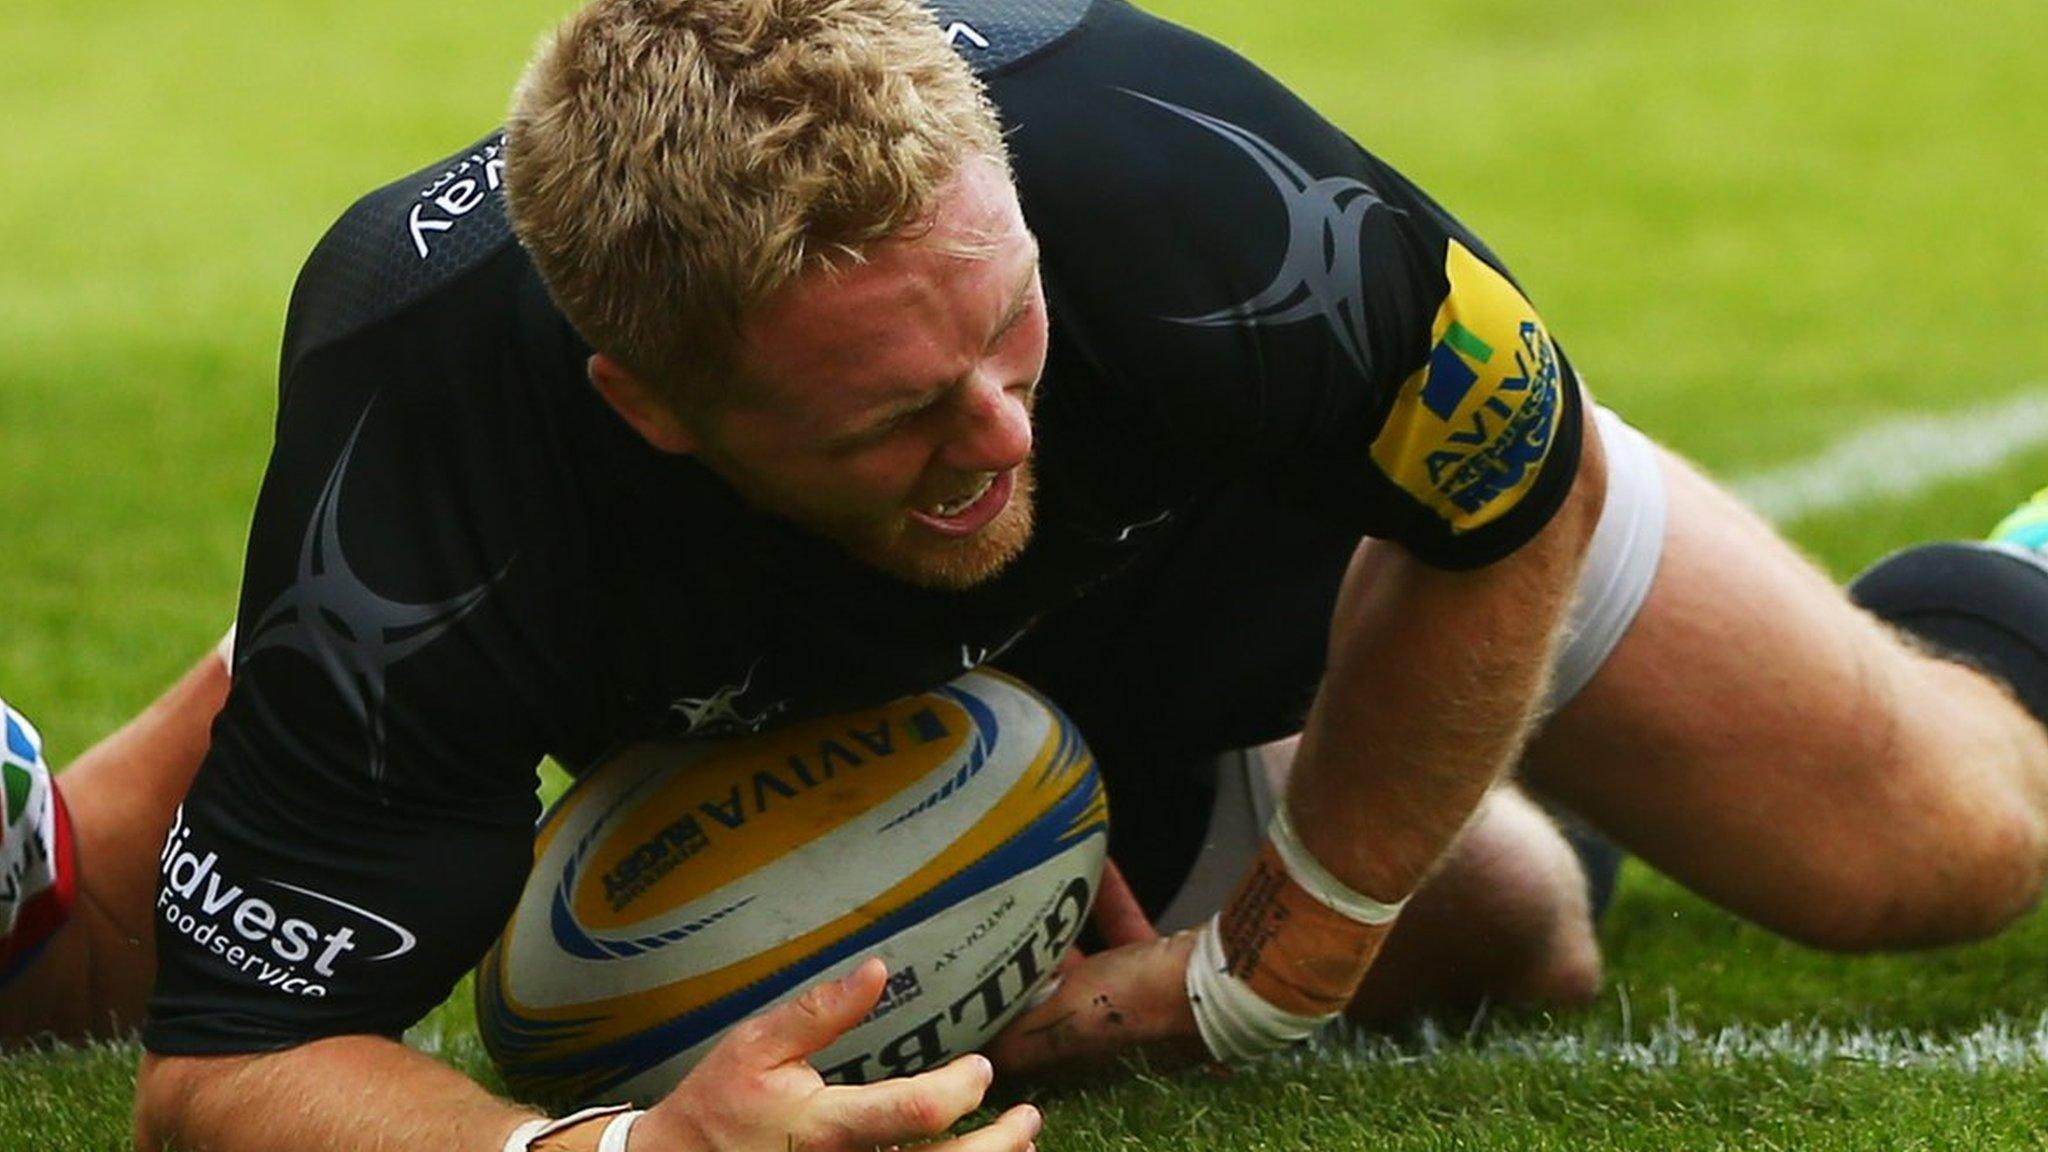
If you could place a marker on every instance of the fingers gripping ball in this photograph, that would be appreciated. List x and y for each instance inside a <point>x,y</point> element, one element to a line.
<point>959,835</point>
<point>35,845</point>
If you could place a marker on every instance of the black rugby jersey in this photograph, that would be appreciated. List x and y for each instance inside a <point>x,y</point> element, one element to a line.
<point>462,560</point>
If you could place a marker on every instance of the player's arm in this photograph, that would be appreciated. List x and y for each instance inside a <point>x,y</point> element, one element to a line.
<point>1434,681</point>
<point>755,1092</point>
<point>339,1093</point>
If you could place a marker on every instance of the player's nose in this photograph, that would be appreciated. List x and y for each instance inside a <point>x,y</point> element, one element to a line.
<point>994,431</point>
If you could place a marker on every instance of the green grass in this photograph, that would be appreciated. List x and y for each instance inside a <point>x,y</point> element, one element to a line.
<point>1757,225</point>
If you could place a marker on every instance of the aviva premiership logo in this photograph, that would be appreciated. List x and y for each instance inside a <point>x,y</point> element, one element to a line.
<point>756,798</point>
<point>1470,431</point>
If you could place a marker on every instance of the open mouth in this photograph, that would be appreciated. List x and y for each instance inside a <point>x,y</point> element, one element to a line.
<point>969,513</point>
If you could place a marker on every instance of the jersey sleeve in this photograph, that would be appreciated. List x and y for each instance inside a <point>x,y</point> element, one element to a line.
<point>363,822</point>
<point>1281,303</point>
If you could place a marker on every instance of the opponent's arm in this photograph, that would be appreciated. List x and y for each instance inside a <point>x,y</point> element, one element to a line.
<point>754,1092</point>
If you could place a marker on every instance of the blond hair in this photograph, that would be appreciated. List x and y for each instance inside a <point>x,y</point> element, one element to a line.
<point>670,163</point>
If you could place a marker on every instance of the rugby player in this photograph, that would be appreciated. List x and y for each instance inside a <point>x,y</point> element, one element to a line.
<point>765,368</point>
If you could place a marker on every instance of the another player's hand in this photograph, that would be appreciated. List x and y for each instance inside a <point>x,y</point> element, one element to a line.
<point>757,1092</point>
<point>1129,998</point>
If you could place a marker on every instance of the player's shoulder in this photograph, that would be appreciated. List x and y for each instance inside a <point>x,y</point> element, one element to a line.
<point>994,35</point>
<point>400,246</point>
<point>1130,125</point>
<point>1001,37</point>
<point>1202,215</point>
<point>423,370</point>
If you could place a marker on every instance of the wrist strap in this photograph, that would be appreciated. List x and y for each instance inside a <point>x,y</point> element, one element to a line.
<point>1318,881</point>
<point>613,1139</point>
<point>1236,1022</point>
<point>1286,953</point>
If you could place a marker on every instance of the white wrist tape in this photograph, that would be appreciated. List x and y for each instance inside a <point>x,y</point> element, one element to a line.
<point>624,1116</point>
<point>1311,875</point>
<point>226,650</point>
<point>1236,1022</point>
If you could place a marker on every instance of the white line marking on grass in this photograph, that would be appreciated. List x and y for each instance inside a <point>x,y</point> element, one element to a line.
<point>1998,1043</point>
<point>1901,458</point>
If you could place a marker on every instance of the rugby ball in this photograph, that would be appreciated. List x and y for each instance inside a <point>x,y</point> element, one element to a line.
<point>958,834</point>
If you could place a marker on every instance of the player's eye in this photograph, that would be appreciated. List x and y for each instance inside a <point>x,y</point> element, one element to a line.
<point>869,435</point>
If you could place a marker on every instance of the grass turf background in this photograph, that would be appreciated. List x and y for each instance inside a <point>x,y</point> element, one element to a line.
<point>1758,226</point>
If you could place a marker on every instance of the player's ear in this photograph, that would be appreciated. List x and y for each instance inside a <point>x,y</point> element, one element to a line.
<point>640,405</point>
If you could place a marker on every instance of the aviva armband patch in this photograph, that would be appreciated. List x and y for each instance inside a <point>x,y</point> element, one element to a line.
<point>1470,430</point>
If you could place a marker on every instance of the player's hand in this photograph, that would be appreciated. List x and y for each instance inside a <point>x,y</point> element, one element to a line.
<point>1117,918</point>
<point>757,1092</point>
<point>1119,1002</point>
<point>1129,998</point>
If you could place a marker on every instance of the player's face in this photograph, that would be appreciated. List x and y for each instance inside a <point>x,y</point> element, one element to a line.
<point>887,403</point>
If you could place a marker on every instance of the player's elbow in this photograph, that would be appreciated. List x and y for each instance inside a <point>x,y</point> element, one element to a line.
<point>166,1096</point>
<point>162,1087</point>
